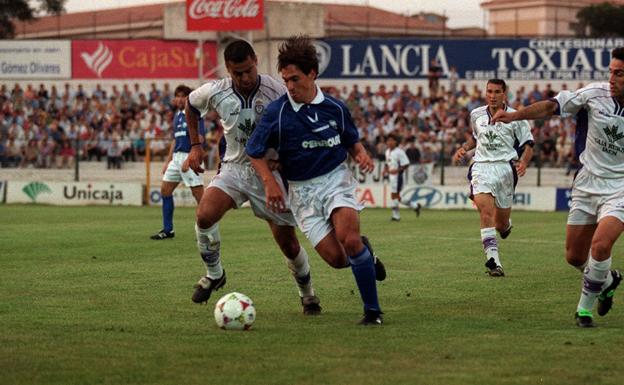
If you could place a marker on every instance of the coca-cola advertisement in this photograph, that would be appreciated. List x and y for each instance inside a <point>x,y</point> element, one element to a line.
<point>224,15</point>
<point>140,59</point>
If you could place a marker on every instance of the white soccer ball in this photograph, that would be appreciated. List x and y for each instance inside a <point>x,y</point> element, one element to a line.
<point>235,311</point>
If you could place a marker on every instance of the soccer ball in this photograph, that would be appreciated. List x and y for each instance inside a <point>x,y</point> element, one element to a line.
<point>235,311</point>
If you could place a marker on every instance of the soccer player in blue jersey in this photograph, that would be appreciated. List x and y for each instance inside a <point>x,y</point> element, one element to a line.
<point>240,100</point>
<point>172,170</point>
<point>313,134</point>
<point>596,217</point>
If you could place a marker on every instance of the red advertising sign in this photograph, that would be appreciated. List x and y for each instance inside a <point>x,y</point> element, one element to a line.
<point>139,59</point>
<point>224,15</point>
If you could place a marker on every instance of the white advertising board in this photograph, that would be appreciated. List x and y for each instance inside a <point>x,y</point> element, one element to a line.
<point>75,193</point>
<point>453,197</point>
<point>35,59</point>
<point>182,196</point>
<point>3,184</point>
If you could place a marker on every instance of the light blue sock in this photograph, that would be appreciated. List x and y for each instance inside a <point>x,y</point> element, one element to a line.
<point>167,213</point>
<point>363,268</point>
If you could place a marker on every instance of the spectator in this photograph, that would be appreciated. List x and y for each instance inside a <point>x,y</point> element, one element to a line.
<point>113,154</point>
<point>65,158</point>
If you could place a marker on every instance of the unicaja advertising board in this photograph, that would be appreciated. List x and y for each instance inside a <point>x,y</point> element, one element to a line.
<point>75,193</point>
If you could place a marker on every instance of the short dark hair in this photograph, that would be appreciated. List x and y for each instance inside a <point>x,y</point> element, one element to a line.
<point>182,89</point>
<point>394,136</point>
<point>298,51</point>
<point>238,51</point>
<point>499,82</point>
<point>618,53</point>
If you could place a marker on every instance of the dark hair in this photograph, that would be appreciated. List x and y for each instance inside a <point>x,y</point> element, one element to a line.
<point>618,53</point>
<point>298,51</point>
<point>182,89</point>
<point>499,82</point>
<point>238,51</point>
<point>393,136</point>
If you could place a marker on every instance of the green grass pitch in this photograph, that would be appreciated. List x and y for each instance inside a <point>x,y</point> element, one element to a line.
<point>87,298</point>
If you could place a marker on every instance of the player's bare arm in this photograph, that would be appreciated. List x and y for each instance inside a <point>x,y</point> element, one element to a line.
<point>275,199</point>
<point>461,152</point>
<point>523,163</point>
<point>361,157</point>
<point>196,156</point>
<point>539,110</point>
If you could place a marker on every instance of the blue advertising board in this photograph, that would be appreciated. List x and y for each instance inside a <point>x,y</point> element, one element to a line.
<point>563,199</point>
<point>474,59</point>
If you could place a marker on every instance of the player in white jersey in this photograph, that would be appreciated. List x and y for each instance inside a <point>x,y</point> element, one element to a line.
<point>240,101</point>
<point>493,174</point>
<point>395,166</point>
<point>596,217</point>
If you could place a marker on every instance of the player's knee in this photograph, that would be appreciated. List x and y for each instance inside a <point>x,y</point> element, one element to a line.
<point>601,249</point>
<point>338,261</point>
<point>290,248</point>
<point>352,243</point>
<point>574,258</point>
<point>203,218</point>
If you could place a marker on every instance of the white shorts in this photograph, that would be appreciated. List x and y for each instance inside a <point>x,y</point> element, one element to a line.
<point>397,182</point>
<point>594,198</point>
<point>242,184</point>
<point>496,178</point>
<point>312,201</point>
<point>174,172</point>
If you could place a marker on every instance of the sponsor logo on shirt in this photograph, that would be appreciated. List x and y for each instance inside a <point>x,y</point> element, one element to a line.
<point>609,146</point>
<point>331,142</point>
<point>490,144</point>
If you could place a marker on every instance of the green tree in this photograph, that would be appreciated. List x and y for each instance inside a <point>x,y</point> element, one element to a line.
<point>24,10</point>
<point>600,20</point>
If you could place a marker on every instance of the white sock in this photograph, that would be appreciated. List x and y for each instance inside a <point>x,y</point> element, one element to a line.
<point>300,269</point>
<point>490,246</point>
<point>594,278</point>
<point>395,208</point>
<point>209,245</point>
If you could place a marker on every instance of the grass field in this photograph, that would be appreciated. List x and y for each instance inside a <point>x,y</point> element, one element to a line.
<point>87,298</point>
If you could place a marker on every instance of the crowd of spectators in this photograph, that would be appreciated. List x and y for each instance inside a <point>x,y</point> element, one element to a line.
<point>39,126</point>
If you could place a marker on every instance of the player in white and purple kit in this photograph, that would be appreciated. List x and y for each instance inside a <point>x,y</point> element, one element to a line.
<point>596,217</point>
<point>240,101</point>
<point>493,174</point>
<point>313,134</point>
<point>394,167</point>
<point>172,169</point>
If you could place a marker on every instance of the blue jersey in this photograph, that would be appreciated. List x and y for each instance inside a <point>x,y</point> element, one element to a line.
<point>180,132</point>
<point>311,139</point>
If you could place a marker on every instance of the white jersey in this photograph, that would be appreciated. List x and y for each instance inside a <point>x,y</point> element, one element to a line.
<point>238,115</point>
<point>497,142</point>
<point>396,158</point>
<point>604,146</point>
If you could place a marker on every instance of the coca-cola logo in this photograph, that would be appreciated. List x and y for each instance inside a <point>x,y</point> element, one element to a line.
<point>199,9</point>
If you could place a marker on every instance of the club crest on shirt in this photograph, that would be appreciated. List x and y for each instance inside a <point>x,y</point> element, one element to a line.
<point>259,108</point>
<point>333,124</point>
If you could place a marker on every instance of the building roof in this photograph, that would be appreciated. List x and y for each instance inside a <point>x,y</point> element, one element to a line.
<point>356,15</point>
<point>563,3</point>
<point>151,14</point>
<point>340,20</point>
